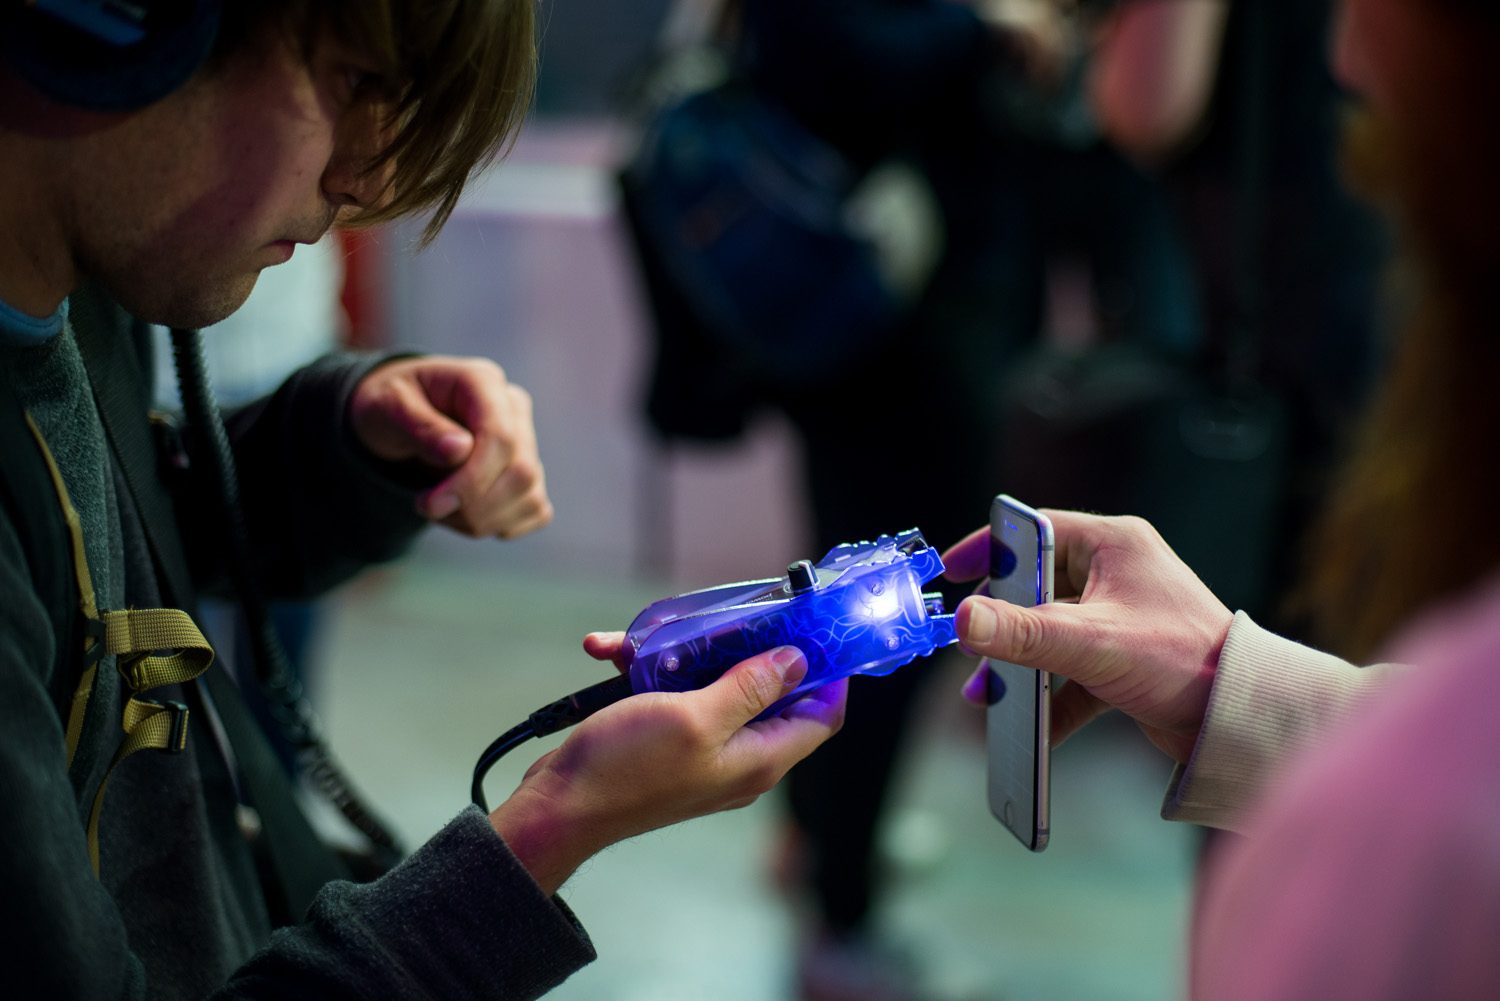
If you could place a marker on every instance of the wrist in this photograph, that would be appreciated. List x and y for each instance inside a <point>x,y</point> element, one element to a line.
<point>542,838</point>
<point>1199,692</point>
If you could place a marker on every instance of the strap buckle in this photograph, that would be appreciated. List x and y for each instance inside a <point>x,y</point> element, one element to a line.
<point>177,736</point>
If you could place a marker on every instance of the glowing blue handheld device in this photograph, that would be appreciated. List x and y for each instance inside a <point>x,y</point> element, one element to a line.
<point>859,610</point>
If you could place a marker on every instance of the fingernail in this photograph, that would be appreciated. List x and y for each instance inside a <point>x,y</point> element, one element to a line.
<point>980,622</point>
<point>441,506</point>
<point>454,445</point>
<point>792,664</point>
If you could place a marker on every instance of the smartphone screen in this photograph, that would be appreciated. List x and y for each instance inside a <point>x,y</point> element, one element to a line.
<point>1017,740</point>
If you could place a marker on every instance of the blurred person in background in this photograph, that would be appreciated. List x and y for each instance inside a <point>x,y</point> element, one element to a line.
<point>1234,107</point>
<point>1371,866</point>
<point>982,100</point>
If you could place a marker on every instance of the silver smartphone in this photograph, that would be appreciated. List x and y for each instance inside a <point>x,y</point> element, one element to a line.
<point>1017,739</point>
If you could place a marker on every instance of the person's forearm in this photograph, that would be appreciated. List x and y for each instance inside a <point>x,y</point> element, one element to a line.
<point>1154,71</point>
<point>316,506</point>
<point>459,918</point>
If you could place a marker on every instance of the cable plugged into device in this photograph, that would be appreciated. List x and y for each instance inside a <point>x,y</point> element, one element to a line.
<point>549,719</point>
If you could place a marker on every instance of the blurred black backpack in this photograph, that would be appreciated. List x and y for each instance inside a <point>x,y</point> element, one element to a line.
<point>760,279</point>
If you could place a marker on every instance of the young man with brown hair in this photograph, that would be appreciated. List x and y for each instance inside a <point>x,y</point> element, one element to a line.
<point>165,186</point>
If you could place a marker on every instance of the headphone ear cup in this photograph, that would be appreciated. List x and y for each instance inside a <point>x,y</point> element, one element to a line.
<point>75,65</point>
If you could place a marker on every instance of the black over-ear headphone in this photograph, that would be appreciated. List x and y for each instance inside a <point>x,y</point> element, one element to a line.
<point>107,55</point>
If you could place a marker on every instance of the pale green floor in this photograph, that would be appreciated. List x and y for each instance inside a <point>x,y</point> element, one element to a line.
<point>427,662</point>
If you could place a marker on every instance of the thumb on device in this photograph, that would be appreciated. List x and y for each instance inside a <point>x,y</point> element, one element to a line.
<point>750,687</point>
<point>1012,633</point>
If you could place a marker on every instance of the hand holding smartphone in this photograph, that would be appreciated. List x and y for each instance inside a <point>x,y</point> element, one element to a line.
<point>1018,719</point>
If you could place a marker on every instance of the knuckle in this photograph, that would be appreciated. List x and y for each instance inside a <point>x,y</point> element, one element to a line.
<point>1137,528</point>
<point>1027,636</point>
<point>537,514</point>
<point>524,472</point>
<point>754,687</point>
<point>503,431</point>
<point>490,370</point>
<point>760,779</point>
<point>400,395</point>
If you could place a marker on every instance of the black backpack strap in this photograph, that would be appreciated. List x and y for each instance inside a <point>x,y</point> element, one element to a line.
<point>122,393</point>
<point>30,503</point>
<point>302,862</point>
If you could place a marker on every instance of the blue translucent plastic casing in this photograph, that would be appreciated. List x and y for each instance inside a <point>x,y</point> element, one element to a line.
<point>864,613</point>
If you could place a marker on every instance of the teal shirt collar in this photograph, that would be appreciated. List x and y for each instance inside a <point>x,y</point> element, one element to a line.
<point>19,329</point>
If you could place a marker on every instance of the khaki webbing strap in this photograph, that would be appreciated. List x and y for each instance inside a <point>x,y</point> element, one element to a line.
<point>79,709</point>
<point>86,601</point>
<point>148,725</point>
<point>137,636</point>
<point>140,640</point>
<point>134,637</point>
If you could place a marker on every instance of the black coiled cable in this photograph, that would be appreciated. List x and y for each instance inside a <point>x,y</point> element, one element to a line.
<point>282,690</point>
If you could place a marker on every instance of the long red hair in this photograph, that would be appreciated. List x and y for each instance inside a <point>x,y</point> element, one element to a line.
<point>1414,517</point>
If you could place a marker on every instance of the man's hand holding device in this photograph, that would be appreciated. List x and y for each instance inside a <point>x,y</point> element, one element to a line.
<point>720,691</point>
<point>1133,627</point>
<point>653,760</point>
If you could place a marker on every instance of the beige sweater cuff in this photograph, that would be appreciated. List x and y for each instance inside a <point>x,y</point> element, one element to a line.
<point>1271,699</point>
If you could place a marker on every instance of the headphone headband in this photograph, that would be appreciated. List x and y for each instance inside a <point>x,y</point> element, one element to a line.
<point>108,55</point>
